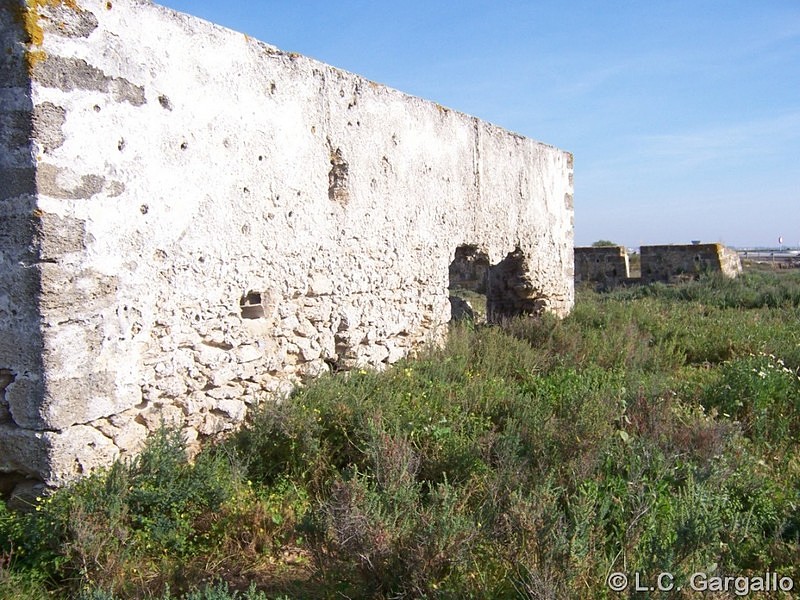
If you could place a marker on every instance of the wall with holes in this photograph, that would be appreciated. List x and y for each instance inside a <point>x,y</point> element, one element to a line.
<point>605,266</point>
<point>677,262</point>
<point>194,221</point>
<point>469,269</point>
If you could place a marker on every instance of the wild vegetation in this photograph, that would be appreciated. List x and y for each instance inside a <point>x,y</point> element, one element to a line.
<point>654,430</point>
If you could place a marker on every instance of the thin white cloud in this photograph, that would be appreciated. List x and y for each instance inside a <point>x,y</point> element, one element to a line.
<point>582,83</point>
<point>759,137</point>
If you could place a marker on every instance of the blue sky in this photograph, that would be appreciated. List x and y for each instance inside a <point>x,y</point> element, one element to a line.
<point>683,116</point>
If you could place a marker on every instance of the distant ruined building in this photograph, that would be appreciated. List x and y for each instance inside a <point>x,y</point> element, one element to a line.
<point>666,263</point>
<point>608,266</point>
<point>192,222</point>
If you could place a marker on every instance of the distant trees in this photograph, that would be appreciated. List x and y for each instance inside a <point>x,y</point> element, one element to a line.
<point>600,243</point>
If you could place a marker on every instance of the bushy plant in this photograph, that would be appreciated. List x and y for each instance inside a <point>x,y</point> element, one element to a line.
<point>216,591</point>
<point>761,392</point>
<point>114,527</point>
<point>654,429</point>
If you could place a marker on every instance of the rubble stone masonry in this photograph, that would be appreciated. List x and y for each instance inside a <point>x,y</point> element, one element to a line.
<point>674,262</point>
<point>192,222</point>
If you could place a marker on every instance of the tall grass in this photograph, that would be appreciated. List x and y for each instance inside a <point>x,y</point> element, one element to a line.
<point>653,430</point>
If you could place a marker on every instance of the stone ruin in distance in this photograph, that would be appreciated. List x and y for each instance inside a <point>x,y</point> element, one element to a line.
<point>608,266</point>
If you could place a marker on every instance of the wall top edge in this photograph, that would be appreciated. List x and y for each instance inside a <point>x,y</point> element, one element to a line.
<point>175,15</point>
<point>710,246</point>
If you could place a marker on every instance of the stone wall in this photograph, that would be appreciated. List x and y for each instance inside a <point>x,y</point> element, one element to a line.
<point>606,266</point>
<point>679,262</point>
<point>192,222</point>
<point>469,269</point>
<point>730,261</point>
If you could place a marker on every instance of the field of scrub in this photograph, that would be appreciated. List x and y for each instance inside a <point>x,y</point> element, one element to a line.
<point>653,430</point>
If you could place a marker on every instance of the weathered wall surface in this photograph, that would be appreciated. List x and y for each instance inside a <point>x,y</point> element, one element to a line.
<point>606,266</point>
<point>469,269</point>
<point>730,262</point>
<point>193,221</point>
<point>671,262</point>
<point>20,333</point>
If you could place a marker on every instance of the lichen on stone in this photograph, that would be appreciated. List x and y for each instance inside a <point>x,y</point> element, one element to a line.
<point>30,18</point>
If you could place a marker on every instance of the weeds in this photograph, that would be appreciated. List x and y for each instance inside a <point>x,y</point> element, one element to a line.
<point>653,430</point>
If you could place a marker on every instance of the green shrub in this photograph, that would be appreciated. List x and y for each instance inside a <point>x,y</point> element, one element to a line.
<point>110,527</point>
<point>763,394</point>
<point>653,429</point>
<point>218,591</point>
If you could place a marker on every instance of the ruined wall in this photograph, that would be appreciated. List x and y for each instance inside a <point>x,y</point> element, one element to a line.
<point>677,262</point>
<point>730,261</point>
<point>469,269</point>
<point>193,221</point>
<point>606,266</point>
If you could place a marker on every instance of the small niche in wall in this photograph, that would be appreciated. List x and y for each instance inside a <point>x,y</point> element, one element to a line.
<point>338,178</point>
<point>251,306</point>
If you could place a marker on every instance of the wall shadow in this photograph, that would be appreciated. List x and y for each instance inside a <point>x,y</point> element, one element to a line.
<point>21,385</point>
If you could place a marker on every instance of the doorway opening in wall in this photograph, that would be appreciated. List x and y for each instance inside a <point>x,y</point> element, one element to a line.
<point>510,291</point>
<point>469,273</point>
